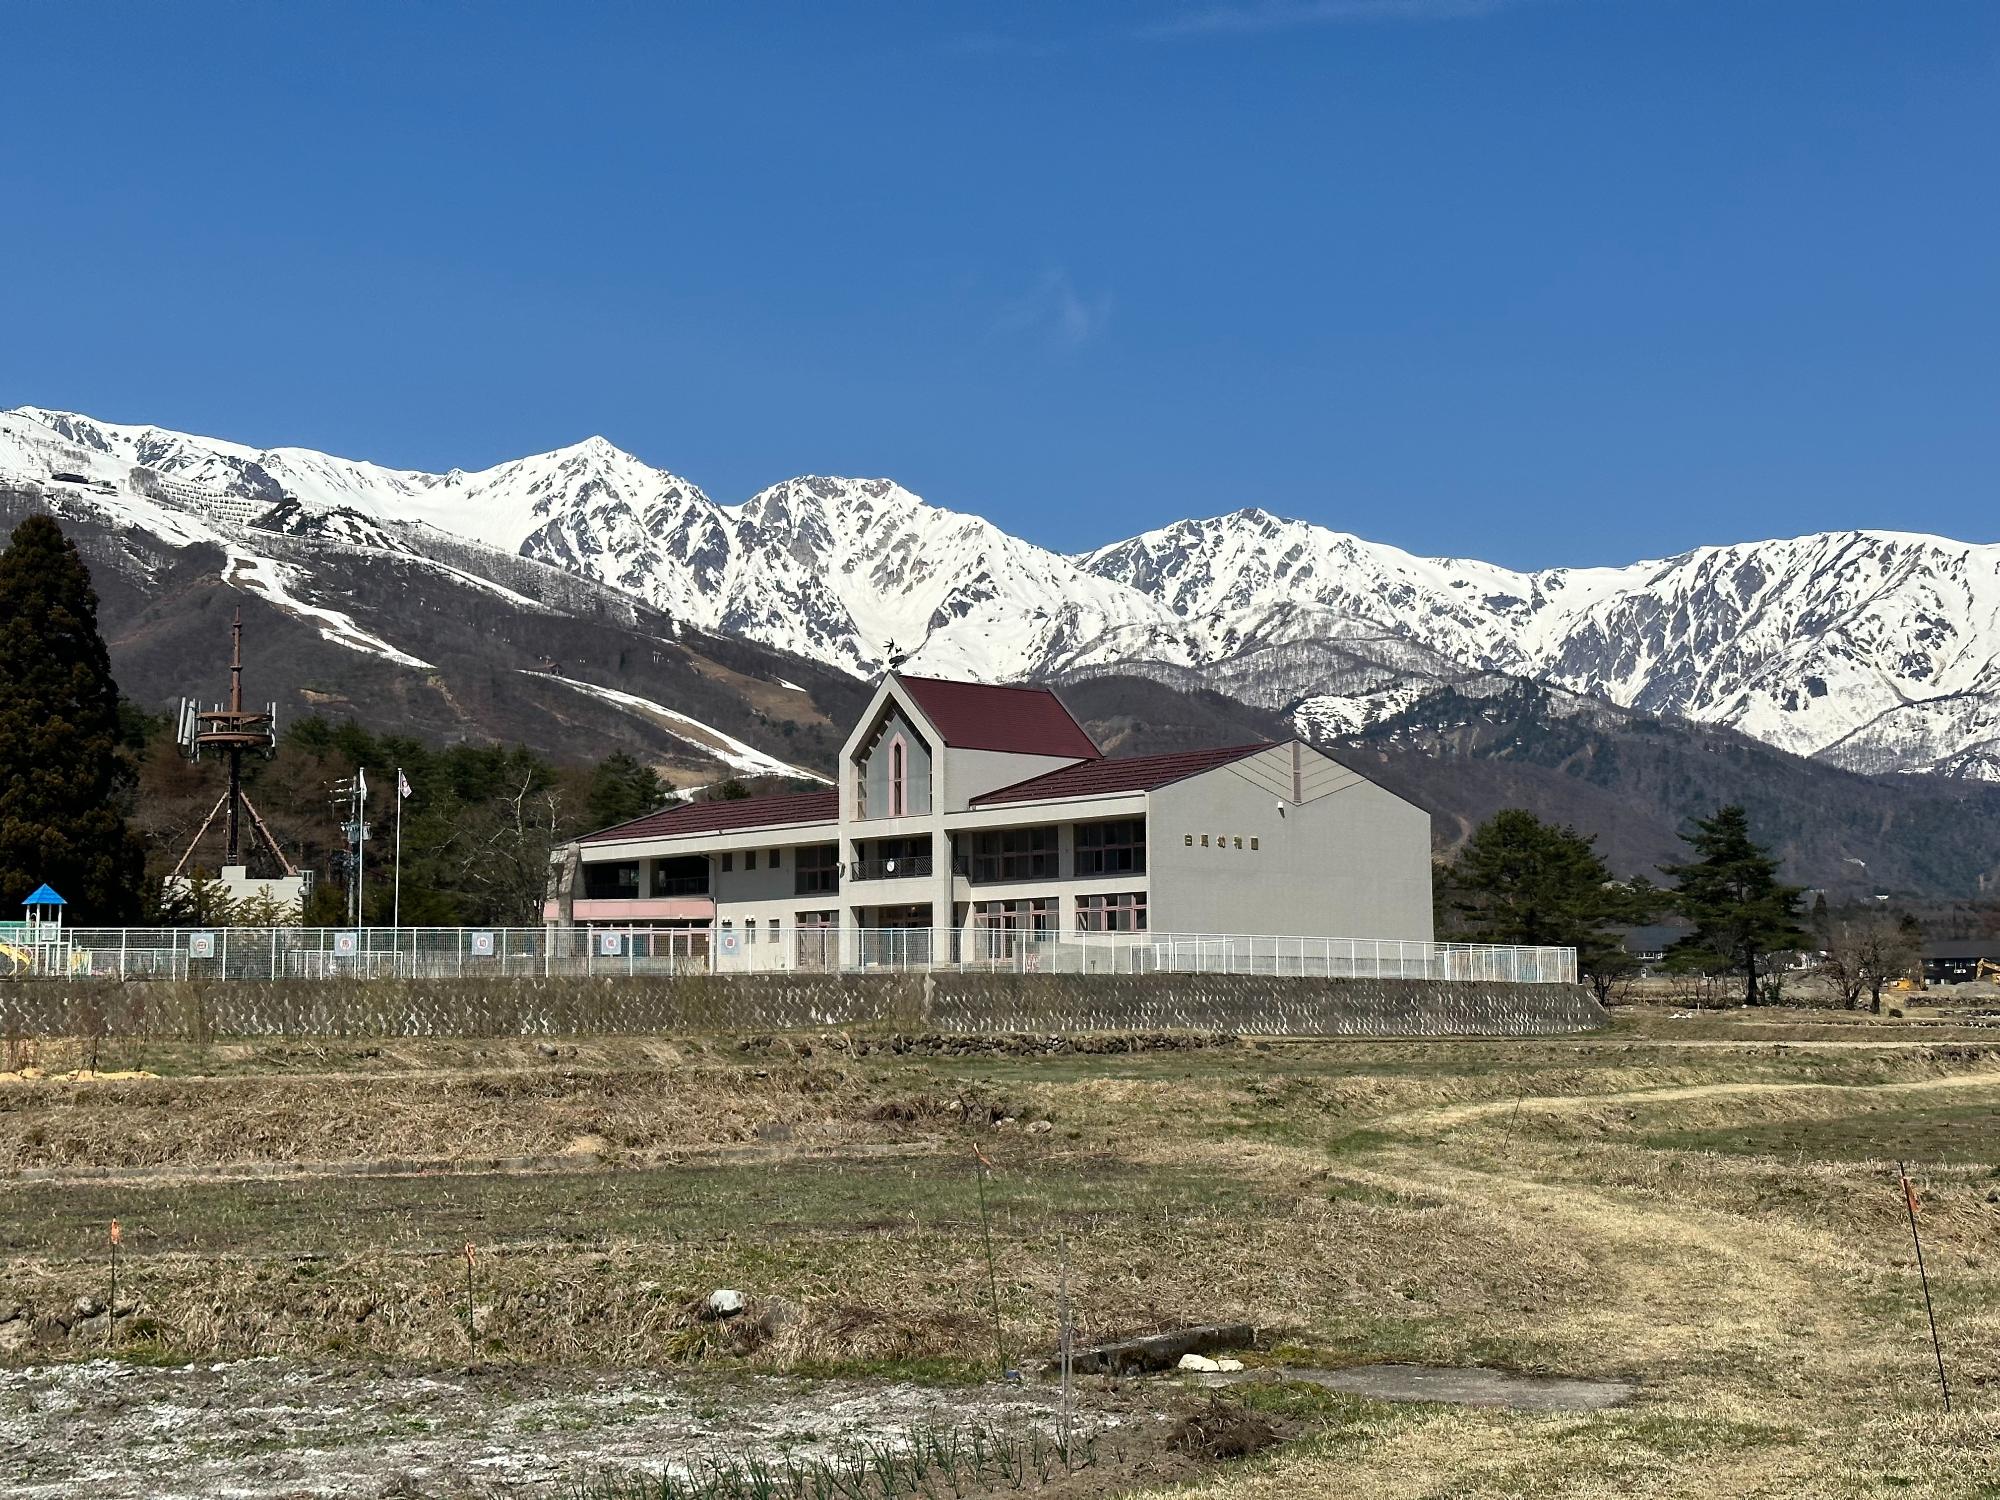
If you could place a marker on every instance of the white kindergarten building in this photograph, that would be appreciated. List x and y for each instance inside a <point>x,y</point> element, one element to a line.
<point>981,823</point>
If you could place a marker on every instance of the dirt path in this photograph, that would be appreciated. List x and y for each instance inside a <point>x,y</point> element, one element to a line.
<point>1460,1114</point>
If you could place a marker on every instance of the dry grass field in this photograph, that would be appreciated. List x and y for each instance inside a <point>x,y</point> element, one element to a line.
<point>1704,1205</point>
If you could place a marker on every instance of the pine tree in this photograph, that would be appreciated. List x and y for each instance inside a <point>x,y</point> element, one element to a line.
<point>64,781</point>
<point>623,787</point>
<point>1742,915</point>
<point>1520,880</point>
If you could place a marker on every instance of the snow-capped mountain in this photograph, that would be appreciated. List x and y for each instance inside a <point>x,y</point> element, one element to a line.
<point>1875,650</point>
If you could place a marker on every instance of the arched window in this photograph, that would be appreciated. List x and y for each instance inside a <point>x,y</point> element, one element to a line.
<point>898,801</point>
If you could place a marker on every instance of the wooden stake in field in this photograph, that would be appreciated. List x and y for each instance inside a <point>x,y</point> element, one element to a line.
<point>1937,1349</point>
<point>116,1237</point>
<point>470,1336</point>
<point>1068,1424</point>
<point>981,1166</point>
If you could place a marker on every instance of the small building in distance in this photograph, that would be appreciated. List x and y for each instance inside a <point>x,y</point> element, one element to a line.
<point>1648,945</point>
<point>1959,961</point>
<point>971,817</point>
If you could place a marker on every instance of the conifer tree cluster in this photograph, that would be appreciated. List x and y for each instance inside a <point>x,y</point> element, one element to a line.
<point>65,780</point>
<point>1521,880</point>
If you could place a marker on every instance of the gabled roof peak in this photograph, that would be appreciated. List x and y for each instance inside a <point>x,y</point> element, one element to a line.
<point>1017,718</point>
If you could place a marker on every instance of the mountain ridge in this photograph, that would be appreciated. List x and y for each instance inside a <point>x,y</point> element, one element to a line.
<point>1871,649</point>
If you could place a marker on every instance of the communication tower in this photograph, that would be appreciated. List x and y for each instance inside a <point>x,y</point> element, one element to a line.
<point>230,732</point>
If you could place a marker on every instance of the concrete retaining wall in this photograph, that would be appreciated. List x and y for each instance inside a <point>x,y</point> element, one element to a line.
<point>1049,1004</point>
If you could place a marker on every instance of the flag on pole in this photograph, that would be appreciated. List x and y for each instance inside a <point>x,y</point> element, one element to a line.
<point>402,783</point>
<point>361,780</point>
<point>1910,1195</point>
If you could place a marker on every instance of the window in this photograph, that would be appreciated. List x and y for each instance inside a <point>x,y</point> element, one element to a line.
<point>1005,929</point>
<point>773,934</point>
<point>816,870</point>
<point>728,862</point>
<point>771,859</point>
<point>898,797</point>
<point>1112,848</point>
<point>1023,916</point>
<point>749,931</point>
<point>1120,913</point>
<point>611,881</point>
<point>1014,854</point>
<point>683,875</point>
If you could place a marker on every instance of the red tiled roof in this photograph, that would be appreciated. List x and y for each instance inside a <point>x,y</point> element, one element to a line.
<point>1021,719</point>
<point>744,813</point>
<point>1136,773</point>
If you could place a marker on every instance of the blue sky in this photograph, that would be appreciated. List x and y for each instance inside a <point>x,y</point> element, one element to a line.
<point>1540,281</point>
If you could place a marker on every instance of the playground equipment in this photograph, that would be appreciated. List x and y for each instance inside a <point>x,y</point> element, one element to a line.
<point>37,944</point>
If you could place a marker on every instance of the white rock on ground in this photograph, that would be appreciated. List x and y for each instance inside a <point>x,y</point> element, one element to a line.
<point>723,1303</point>
<point>1200,1363</point>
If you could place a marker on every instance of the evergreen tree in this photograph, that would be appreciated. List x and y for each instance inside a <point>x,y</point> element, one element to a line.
<point>623,787</point>
<point>65,783</point>
<point>1520,880</point>
<point>1742,915</point>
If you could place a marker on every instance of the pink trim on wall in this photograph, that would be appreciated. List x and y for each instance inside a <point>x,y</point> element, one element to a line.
<point>676,908</point>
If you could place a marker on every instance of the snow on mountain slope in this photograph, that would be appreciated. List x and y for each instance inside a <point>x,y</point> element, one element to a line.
<point>726,748</point>
<point>1803,643</point>
<point>1252,579</point>
<point>848,571</point>
<point>1873,649</point>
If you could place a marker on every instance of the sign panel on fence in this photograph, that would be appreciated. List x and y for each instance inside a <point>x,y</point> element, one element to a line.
<point>482,945</point>
<point>201,945</point>
<point>730,941</point>
<point>610,944</point>
<point>346,944</point>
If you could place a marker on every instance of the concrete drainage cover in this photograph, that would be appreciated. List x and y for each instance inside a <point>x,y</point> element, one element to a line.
<point>1472,1385</point>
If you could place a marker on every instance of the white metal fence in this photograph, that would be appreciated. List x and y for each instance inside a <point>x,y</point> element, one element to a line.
<point>508,952</point>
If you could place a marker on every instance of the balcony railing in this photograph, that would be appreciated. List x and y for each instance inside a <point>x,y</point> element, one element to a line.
<point>902,867</point>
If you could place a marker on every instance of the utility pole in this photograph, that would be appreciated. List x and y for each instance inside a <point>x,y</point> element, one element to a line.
<point>353,793</point>
<point>360,840</point>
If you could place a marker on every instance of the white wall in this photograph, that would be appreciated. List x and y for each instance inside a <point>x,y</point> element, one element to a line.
<point>1351,860</point>
<point>973,773</point>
